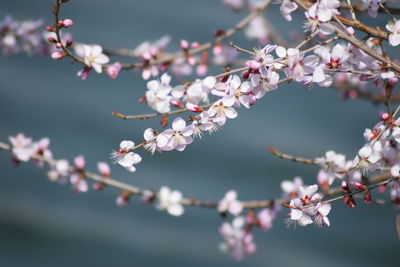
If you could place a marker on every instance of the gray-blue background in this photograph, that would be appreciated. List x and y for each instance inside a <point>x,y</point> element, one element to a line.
<point>44,224</point>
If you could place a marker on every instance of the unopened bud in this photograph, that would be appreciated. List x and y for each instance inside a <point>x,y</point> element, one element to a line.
<point>67,23</point>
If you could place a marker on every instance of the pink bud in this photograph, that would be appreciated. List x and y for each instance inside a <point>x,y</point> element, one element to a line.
<point>184,45</point>
<point>177,103</point>
<point>104,169</point>
<point>154,51</point>
<point>368,198</point>
<point>68,43</point>
<point>191,60</point>
<point>146,56</point>
<point>57,55</point>
<point>345,186</point>
<point>195,44</point>
<point>67,23</point>
<point>49,28</point>
<point>58,45</point>
<point>114,70</point>
<point>385,116</point>
<point>79,162</point>
<point>359,186</point>
<point>202,69</point>
<point>84,73</point>
<point>61,23</point>
<point>123,199</point>
<point>193,107</point>
<point>217,50</point>
<point>98,186</point>
<point>51,39</point>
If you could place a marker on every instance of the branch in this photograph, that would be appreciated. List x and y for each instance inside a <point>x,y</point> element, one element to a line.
<point>255,204</point>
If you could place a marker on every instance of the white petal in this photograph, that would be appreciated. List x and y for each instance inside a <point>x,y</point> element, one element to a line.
<point>178,124</point>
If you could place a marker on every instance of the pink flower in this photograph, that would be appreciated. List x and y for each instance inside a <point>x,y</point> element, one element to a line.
<point>230,203</point>
<point>265,218</point>
<point>177,137</point>
<point>22,148</point>
<point>59,171</point>
<point>223,109</point>
<point>79,183</point>
<point>237,241</point>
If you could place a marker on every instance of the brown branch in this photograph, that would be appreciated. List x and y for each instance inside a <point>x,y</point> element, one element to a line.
<point>169,59</point>
<point>275,152</point>
<point>376,98</point>
<point>134,190</point>
<point>376,32</point>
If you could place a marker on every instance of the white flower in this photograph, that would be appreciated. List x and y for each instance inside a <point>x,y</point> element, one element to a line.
<point>298,215</point>
<point>92,55</point>
<point>237,241</point>
<point>322,210</point>
<point>158,95</point>
<point>325,9</point>
<point>150,137</point>
<point>22,148</point>
<point>368,156</point>
<point>230,203</point>
<point>177,137</point>
<point>59,171</point>
<point>291,188</point>
<point>170,201</point>
<point>223,109</point>
<point>125,157</point>
<point>287,7</point>
<point>373,6</point>
<point>394,29</point>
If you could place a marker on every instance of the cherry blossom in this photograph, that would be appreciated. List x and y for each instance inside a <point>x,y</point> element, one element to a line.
<point>287,7</point>
<point>151,141</point>
<point>324,10</point>
<point>321,217</point>
<point>92,55</point>
<point>298,215</point>
<point>265,218</point>
<point>394,29</point>
<point>170,201</point>
<point>223,109</point>
<point>237,241</point>
<point>22,147</point>
<point>59,171</point>
<point>290,188</point>
<point>177,137</point>
<point>230,203</point>
<point>125,157</point>
<point>368,156</point>
<point>158,95</point>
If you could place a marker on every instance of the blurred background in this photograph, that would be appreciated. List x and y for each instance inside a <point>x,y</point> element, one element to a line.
<point>45,224</point>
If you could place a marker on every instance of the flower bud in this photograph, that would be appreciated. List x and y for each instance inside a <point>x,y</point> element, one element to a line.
<point>67,23</point>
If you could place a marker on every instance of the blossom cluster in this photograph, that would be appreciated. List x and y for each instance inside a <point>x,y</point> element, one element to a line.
<point>22,36</point>
<point>325,58</point>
